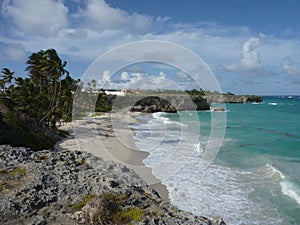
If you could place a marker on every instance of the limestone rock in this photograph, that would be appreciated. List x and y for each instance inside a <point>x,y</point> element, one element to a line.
<point>63,187</point>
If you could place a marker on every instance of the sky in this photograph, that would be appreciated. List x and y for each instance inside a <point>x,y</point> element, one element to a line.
<point>251,47</point>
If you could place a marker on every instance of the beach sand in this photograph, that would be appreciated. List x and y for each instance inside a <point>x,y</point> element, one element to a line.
<point>109,136</point>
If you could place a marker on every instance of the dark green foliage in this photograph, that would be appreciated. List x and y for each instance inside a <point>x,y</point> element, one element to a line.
<point>103,104</point>
<point>195,92</point>
<point>18,130</point>
<point>32,107</point>
<point>229,93</point>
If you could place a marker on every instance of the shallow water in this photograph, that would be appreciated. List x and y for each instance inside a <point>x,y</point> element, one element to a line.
<point>255,178</point>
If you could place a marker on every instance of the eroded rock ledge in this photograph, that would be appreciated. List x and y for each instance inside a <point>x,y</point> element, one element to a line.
<point>233,98</point>
<point>64,187</point>
<point>167,103</point>
<point>170,104</point>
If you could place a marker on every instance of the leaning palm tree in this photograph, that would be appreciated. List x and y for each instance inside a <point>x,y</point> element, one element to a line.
<point>46,70</point>
<point>54,67</point>
<point>7,77</point>
<point>69,86</point>
<point>35,64</point>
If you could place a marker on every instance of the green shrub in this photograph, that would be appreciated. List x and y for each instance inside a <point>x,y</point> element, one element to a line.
<point>82,203</point>
<point>13,172</point>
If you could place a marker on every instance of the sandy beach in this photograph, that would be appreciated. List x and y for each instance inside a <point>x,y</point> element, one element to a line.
<point>110,137</point>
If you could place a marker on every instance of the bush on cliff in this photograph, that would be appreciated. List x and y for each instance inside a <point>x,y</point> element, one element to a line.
<point>19,129</point>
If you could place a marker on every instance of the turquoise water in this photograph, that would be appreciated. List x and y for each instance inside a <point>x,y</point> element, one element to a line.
<point>268,134</point>
<point>255,178</point>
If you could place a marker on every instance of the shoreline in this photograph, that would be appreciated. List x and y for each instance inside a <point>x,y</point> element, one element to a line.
<point>110,137</point>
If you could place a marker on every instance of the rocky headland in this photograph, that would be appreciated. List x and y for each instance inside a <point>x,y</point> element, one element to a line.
<point>170,104</point>
<point>174,103</point>
<point>73,187</point>
<point>232,98</point>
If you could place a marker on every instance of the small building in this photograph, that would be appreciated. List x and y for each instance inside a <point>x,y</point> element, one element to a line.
<point>122,92</point>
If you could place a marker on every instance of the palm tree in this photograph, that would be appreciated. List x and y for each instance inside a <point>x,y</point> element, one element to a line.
<point>35,64</point>
<point>46,70</point>
<point>94,84</point>
<point>54,67</point>
<point>69,86</point>
<point>89,86</point>
<point>7,77</point>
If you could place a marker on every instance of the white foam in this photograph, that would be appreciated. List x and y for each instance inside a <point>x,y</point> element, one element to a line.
<point>198,148</point>
<point>272,171</point>
<point>273,103</point>
<point>219,190</point>
<point>159,116</point>
<point>287,188</point>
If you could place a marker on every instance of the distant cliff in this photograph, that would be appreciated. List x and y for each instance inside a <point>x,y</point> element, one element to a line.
<point>160,103</point>
<point>172,103</point>
<point>232,98</point>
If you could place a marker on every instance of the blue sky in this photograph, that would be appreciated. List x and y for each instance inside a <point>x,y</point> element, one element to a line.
<point>252,47</point>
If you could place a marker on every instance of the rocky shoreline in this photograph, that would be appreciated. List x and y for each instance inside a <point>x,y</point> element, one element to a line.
<point>73,187</point>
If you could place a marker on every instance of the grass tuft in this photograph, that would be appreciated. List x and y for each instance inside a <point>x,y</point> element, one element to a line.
<point>82,203</point>
<point>13,172</point>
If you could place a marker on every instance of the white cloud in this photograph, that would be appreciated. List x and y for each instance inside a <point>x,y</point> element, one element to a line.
<point>74,33</point>
<point>14,52</point>
<point>87,29</point>
<point>99,16</point>
<point>36,17</point>
<point>124,76</point>
<point>162,74</point>
<point>106,76</point>
<point>288,67</point>
<point>249,58</point>
<point>181,75</point>
<point>135,80</point>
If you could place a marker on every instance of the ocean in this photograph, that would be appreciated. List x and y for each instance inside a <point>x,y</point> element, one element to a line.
<point>255,178</point>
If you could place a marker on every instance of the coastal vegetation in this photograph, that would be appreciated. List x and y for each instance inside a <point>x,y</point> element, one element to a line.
<point>110,209</point>
<point>31,106</point>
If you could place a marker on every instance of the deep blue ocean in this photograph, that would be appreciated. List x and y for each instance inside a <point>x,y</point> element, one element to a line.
<point>255,178</point>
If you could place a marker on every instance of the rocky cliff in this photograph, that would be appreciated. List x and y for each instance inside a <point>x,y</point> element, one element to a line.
<point>174,103</point>
<point>232,98</point>
<point>64,187</point>
<point>170,104</point>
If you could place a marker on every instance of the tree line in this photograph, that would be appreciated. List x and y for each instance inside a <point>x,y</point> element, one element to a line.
<point>46,94</point>
<point>32,106</point>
